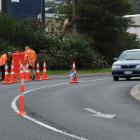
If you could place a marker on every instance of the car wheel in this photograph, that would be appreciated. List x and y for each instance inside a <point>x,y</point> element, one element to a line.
<point>127,78</point>
<point>115,78</point>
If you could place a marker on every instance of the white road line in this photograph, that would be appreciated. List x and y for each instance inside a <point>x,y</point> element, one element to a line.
<point>14,107</point>
<point>99,114</point>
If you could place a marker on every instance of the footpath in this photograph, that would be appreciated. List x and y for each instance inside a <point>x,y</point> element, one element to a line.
<point>135,92</point>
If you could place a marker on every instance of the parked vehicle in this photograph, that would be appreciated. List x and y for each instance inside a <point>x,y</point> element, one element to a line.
<point>127,65</point>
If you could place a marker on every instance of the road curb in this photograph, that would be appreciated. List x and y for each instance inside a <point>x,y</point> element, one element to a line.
<point>135,92</point>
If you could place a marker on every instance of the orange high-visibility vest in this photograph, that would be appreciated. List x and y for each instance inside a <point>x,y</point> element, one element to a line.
<point>3,59</point>
<point>30,57</point>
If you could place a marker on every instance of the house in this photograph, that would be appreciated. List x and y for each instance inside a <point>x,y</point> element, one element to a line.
<point>134,27</point>
<point>23,9</point>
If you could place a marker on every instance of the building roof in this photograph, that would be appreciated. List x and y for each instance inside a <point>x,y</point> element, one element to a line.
<point>135,18</point>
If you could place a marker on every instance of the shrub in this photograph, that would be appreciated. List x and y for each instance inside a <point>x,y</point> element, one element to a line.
<point>58,49</point>
<point>71,48</point>
<point>6,46</point>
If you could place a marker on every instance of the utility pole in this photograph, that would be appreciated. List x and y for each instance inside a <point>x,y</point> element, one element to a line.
<point>43,11</point>
<point>73,17</point>
<point>0,5</point>
<point>4,6</point>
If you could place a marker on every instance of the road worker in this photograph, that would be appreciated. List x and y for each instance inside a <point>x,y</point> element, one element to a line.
<point>30,58</point>
<point>4,59</point>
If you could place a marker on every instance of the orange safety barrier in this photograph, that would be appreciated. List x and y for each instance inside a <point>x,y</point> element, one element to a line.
<point>18,59</point>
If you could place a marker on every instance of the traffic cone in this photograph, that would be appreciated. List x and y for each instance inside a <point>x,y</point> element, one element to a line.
<point>74,79</point>
<point>37,72</point>
<point>27,76</point>
<point>6,77</point>
<point>21,72</point>
<point>22,89</point>
<point>12,73</point>
<point>45,75</point>
<point>74,67</point>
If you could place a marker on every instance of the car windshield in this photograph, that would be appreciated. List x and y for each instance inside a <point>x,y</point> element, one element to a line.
<point>130,55</point>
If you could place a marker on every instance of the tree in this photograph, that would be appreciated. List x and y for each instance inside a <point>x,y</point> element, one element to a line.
<point>104,22</point>
<point>16,31</point>
<point>135,6</point>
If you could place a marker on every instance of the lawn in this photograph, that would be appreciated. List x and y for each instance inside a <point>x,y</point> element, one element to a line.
<point>89,71</point>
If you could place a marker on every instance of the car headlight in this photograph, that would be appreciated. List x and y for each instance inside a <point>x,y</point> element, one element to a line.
<point>116,67</point>
<point>138,67</point>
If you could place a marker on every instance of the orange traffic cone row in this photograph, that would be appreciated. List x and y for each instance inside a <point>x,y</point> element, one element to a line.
<point>37,72</point>
<point>13,80</point>
<point>22,89</point>
<point>6,77</point>
<point>45,75</point>
<point>27,76</point>
<point>74,78</point>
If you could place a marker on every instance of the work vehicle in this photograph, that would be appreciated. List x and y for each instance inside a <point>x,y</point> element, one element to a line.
<point>127,65</point>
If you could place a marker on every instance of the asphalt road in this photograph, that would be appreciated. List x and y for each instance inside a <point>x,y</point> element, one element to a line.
<point>95,109</point>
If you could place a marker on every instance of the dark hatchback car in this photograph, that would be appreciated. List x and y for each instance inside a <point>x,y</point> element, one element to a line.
<point>127,65</point>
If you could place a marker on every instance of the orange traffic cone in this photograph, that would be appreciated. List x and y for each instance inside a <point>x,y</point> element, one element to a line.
<point>22,89</point>
<point>45,75</point>
<point>12,73</point>
<point>37,72</point>
<point>6,77</point>
<point>21,72</point>
<point>74,78</point>
<point>27,76</point>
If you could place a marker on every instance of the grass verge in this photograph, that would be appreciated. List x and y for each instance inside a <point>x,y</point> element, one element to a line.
<point>90,71</point>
